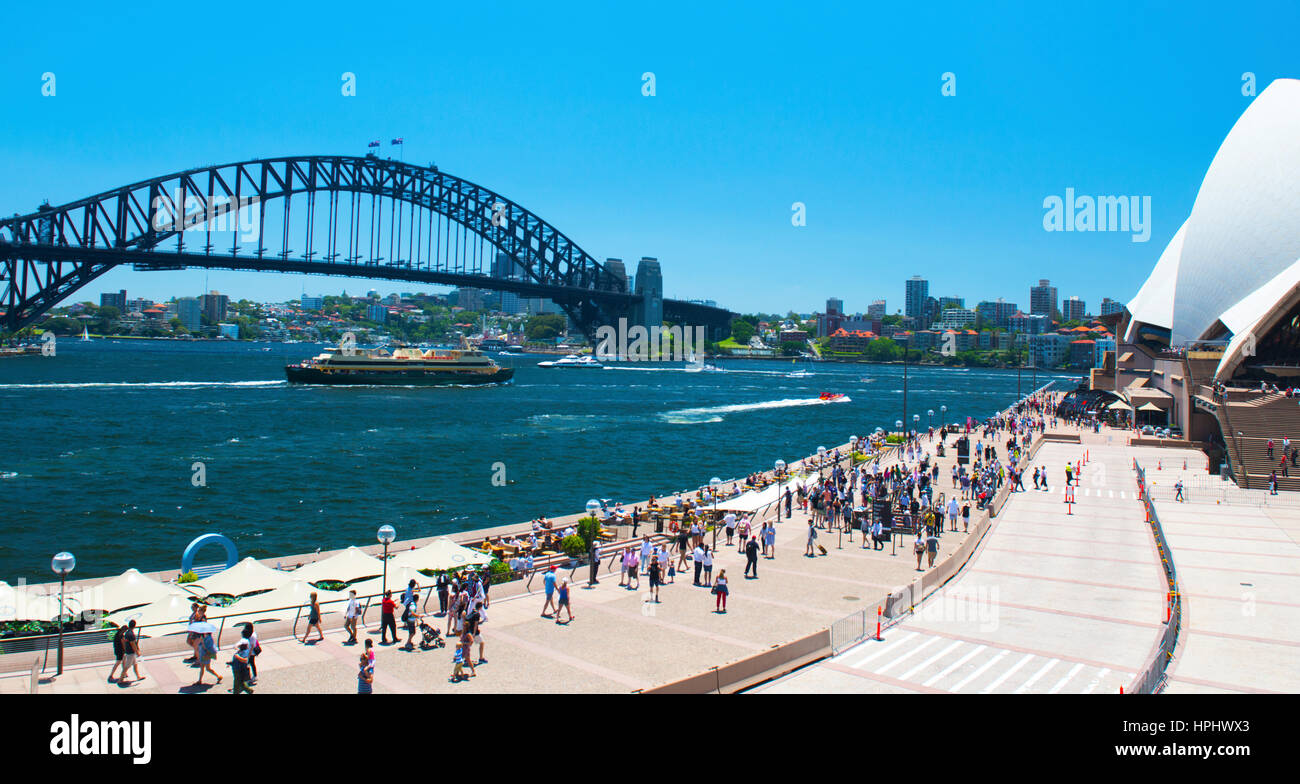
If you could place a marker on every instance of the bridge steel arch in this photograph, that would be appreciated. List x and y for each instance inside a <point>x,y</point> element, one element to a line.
<point>154,224</point>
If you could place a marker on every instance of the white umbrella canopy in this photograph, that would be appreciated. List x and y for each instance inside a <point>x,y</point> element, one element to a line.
<point>244,577</point>
<point>351,564</point>
<point>173,612</point>
<point>398,579</point>
<point>281,603</point>
<point>128,589</point>
<point>21,604</point>
<point>440,554</point>
<point>1149,407</point>
<point>1120,404</point>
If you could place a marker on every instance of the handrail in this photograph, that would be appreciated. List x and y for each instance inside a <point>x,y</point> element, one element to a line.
<point>1152,679</point>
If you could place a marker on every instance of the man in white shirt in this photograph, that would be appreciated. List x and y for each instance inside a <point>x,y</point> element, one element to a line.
<point>646,550</point>
<point>350,616</point>
<point>697,556</point>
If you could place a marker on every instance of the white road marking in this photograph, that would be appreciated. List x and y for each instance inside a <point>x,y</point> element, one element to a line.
<point>978,672</point>
<point>857,664</point>
<point>946,670</point>
<point>988,689</point>
<point>1061,683</point>
<point>1096,681</point>
<point>929,661</point>
<point>1029,683</point>
<point>906,656</point>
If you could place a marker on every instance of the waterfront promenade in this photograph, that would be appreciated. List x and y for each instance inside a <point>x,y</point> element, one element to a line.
<point>617,643</point>
<point>1053,601</point>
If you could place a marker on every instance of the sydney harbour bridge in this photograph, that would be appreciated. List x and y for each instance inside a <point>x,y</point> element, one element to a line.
<point>362,217</point>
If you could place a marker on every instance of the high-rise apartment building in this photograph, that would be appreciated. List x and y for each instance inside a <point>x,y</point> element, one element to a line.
<point>916,292</point>
<point>1042,299</point>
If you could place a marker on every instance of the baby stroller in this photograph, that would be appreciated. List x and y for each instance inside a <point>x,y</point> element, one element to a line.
<point>430,637</point>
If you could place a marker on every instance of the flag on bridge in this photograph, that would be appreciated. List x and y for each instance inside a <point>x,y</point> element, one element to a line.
<point>398,140</point>
<point>375,143</point>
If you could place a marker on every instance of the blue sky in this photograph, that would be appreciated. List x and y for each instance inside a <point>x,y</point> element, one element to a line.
<point>835,106</point>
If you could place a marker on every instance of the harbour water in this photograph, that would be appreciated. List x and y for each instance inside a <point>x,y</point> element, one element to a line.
<point>100,443</point>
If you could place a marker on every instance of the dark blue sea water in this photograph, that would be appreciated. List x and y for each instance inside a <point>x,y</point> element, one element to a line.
<point>98,444</point>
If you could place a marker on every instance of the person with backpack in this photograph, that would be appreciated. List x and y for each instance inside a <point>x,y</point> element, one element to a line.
<point>126,649</point>
<point>656,577</point>
<point>410,614</point>
<point>255,650</point>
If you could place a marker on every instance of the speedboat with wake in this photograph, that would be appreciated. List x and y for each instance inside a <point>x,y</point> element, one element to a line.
<point>833,397</point>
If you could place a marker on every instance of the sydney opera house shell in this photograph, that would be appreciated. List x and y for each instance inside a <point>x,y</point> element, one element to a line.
<point>1232,270</point>
<point>1217,323</point>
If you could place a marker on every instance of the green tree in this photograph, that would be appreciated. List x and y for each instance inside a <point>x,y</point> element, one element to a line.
<point>546,326</point>
<point>742,330</point>
<point>791,348</point>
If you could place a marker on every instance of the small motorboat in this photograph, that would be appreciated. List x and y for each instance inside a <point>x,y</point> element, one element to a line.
<point>832,397</point>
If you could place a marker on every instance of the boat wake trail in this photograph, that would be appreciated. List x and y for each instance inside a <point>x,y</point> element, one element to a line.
<point>146,385</point>
<point>695,416</point>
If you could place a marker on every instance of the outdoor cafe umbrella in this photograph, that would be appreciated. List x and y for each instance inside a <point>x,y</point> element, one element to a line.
<point>166,616</point>
<point>344,567</point>
<point>244,577</point>
<point>439,555</point>
<point>21,604</point>
<point>128,589</point>
<point>283,602</point>
<point>1149,407</point>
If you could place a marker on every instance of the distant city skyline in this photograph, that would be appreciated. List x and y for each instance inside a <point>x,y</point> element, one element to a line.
<point>785,117</point>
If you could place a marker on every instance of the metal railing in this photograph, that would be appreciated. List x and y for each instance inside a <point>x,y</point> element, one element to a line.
<point>1152,679</point>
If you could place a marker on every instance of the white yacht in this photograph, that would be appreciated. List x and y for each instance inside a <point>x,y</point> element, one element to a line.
<point>571,361</point>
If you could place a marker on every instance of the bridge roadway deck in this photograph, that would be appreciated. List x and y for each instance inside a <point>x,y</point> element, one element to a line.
<point>1052,602</point>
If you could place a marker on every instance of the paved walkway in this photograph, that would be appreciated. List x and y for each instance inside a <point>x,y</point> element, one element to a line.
<point>1239,571</point>
<point>617,643</point>
<point>1051,603</point>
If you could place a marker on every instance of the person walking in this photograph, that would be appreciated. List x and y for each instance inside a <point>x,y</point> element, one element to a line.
<point>126,649</point>
<point>730,522</point>
<point>720,592</point>
<point>918,547</point>
<point>769,540</point>
<point>656,577</point>
<point>548,583</point>
<point>564,602</point>
<point>708,566</point>
<point>255,650</point>
<point>632,563</point>
<point>313,620</point>
<point>1178,488</point>
<point>410,617</point>
<point>387,619</point>
<point>744,535</point>
<point>350,616</point>
<point>932,547</point>
<point>207,652</point>
<point>239,666</point>
<point>952,513</point>
<point>647,549</point>
<point>877,536</point>
<point>751,558</point>
<point>812,540</point>
<point>365,675</point>
<point>697,557</point>
<point>965,518</point>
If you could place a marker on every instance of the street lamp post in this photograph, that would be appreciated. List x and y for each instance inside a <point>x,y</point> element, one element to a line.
<point>386,534</point>
<point>929,417</point>
<point>780,478</point>
<point>821,462</point>
<point>62,564</point>
<point>714,484</point>
<point>898,423</point>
